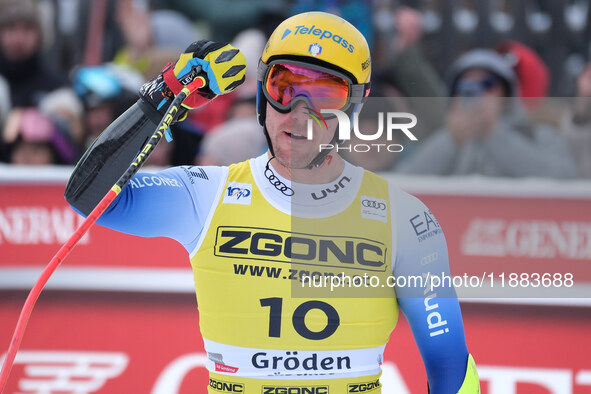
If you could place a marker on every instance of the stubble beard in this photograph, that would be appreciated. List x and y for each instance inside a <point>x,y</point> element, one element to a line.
<point>297,164</point>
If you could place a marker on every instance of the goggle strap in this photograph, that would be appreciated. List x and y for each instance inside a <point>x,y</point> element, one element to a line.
<point>358,93</point>
<point>261,70</point>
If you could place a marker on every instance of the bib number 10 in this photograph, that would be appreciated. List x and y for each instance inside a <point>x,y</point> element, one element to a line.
<point>275,305</point>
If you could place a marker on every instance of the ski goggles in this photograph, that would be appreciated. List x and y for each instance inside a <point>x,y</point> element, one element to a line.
<point>467,87</point>
<point>285,82</point>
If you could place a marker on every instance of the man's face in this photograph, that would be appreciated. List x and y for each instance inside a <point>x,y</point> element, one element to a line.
<point>485,99</point>
<point>288,134</point>
<point>19,41</point>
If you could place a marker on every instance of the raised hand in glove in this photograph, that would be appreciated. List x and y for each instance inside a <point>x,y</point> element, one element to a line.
<point>220,65</point>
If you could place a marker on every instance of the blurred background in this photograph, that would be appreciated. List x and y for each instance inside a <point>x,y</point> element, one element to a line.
<point>502,92</point>
<point>71,67</point>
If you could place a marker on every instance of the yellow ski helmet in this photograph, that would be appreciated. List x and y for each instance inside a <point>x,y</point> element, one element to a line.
<point>339,43</point>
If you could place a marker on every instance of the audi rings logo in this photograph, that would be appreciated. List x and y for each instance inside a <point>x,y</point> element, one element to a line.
<point>374,204</point>
<point>276,182</point>
<point>429,259</point>
<point>374,208</point>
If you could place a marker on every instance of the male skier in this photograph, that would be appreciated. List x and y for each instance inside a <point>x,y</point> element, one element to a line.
<point>292,210</point>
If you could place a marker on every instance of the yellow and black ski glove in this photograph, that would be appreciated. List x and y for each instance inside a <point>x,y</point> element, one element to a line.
<point>220,65</point>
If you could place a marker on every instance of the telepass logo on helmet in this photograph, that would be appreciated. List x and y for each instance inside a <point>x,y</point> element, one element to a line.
<point>321,34</point>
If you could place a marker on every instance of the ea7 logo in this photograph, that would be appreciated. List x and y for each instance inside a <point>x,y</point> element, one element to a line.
<point>425,225</point>
<point>363,387</point>
<point>238,193</point>
<point>295,390</point>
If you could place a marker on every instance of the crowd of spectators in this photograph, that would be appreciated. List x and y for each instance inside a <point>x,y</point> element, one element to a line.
<point>68,69</point>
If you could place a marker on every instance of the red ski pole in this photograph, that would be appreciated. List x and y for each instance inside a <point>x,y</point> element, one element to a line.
<point>64,251</point>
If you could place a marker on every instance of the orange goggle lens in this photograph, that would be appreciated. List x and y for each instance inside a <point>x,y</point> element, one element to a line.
<point>286,82</point>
